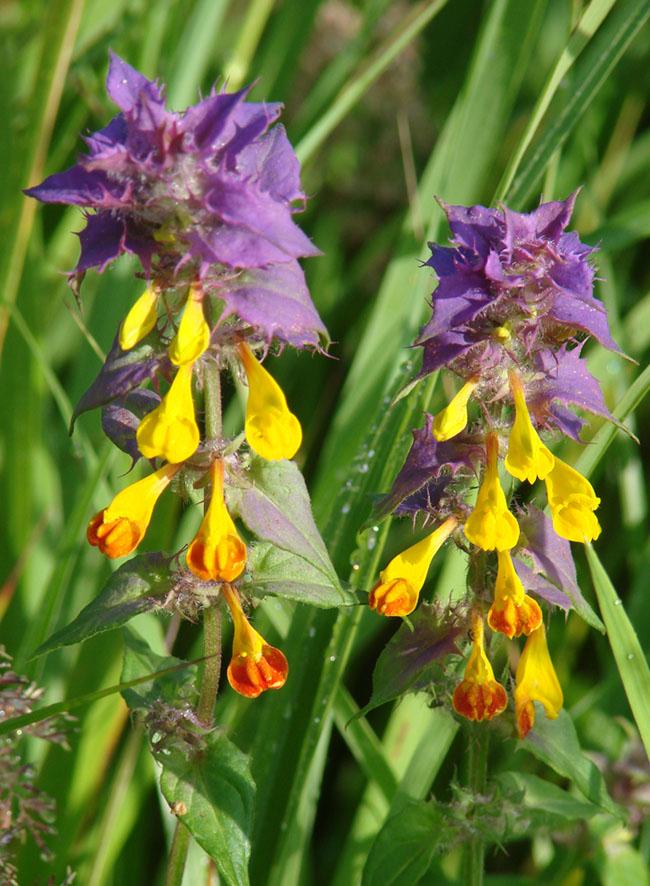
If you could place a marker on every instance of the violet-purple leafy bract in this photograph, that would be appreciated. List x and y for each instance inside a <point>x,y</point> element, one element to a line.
<point>207,193</point>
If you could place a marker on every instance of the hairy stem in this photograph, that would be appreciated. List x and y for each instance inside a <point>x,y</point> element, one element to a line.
<point>474,849</point>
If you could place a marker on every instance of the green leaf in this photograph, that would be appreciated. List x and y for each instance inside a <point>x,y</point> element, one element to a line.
<point>411,659</point>
<point>139,659</point>
<point>216,790</point>
<point>404,847</point>
<point>555,743</point>
<point>282,574</point>
<point>630,659</point>
<point>137,586</point>
<point>544,801</point>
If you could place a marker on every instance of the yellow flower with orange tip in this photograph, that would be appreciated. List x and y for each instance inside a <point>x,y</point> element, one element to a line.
<point>170,430</point>
<point>527,457</point>
<point>479,696</point>
<point>536,681</point>
<point>255,666</point>
<point>513,611</point>
<point>272,430</point>
<point>118,529</point>
<point>217,553</point>
<point>453,418</point>
<point>140,320</point>
<point>400,583</point>
<point>491,525</point>
<point>572,501</point>
<point>193,335</point>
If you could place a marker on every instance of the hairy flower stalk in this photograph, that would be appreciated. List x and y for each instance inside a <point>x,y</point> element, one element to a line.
<point>512,309</point>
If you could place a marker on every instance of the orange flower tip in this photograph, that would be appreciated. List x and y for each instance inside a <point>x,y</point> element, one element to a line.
<point>393,598</point>
<point>479,701</point>
<point>250,675</point>
<point>525,719</point>
<point>224,561</point>
<point>513,619</point>
<point>117,538</point>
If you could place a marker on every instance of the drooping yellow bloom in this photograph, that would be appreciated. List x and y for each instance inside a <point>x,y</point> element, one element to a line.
<point>217,553</point>
<point>479,696</point>
<point>572,501</point>
<point>193,335</point>
<point>255,666</point>
<point>453,418</point>
<point>140,320</point>
<point>271,429</point>
<point>400,583</point>
<point>118,529</point>
<point>513,611</point>
<point>527,458</point>
<point>536,681</point>
<point>170,430</point>
<point>491,525</point>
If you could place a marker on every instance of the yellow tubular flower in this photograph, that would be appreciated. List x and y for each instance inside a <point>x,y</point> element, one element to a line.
<point>193,335</point>
<point>491,525</point>
<point>118,529</point>
<point>272,430</point>
<point>527,458</point>
<point>453,418</point>
<point>255,666</point>
<point>170,430</point>
<point>217,553</point>
<point>513,611</point>
<point>400,583</point>
<point>479,696</point>
<point>572,501</point>
<point>140,320</point>
<point>536,681</point>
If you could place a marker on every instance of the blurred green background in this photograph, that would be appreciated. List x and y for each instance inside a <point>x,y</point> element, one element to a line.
<point>389,105</point>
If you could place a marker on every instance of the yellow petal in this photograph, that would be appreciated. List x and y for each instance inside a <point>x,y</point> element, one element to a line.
<point>272,430</point>
<point>536,681</point>
<point>453,418</point>
<point>193,335</point>
<point>572,501</point>
<point>527,458</point>
<point>170,431</point>
<point>140,320</point>
<point>491,525</point>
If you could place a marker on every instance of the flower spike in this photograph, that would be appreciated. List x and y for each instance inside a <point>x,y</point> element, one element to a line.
<point>193,336</point>
<point>479,696</point>
<point>513,611</point>
<point>271,429</point>
<point>491,525</point>
<point>400,583</point>
<point>453,418</point>
<point>140,320</point>
<point>536,681</point>
<point>572,501</point>
<point>255,666</point>
<point>217,553</point>
<point>118,529</point>
<point>170,430</point>
<point>527,458</point>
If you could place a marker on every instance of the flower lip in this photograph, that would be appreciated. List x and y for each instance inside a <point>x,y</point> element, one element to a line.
<point>491,525</point>
<point>170,431</point>
<point>536,680</point>
<point>479,696</point>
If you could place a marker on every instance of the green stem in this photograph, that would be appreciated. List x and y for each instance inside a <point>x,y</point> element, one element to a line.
<point>474,849</point>
<point>211,635</point>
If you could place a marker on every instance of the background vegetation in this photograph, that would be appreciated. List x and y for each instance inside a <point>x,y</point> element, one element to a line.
<point>389,103</point>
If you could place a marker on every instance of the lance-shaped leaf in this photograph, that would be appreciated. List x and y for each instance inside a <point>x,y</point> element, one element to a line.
<point>122,371</point>
<point>139,660</point>
<point>555,743</point>
<point>271,570</point>
<point>551,556</point>
<point>137,586</point>
<point>540,586</point>
<point>425,462</point>
<point>405,846</point>
<point>272,500</point>
<point>216,793</point>
<point>413,656</point>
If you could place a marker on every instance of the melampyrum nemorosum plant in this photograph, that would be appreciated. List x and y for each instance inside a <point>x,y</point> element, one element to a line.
<point>511,312</point>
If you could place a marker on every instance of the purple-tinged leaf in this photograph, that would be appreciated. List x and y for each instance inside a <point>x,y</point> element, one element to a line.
<point>272,500</point>
<point>139,585</point>
<point>120,420</point>
<point>122,371</point>
<point>540,586</point>
<point>413,658</point>
<point>552,558</point>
